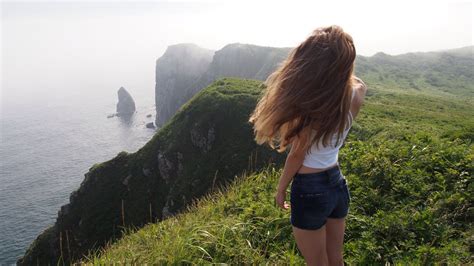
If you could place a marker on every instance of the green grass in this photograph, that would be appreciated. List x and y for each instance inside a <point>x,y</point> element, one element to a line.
<point>410,203</point>
<point>446,73</point>
<point>409,162</point>
<point>408,159</point>
<point>207,143</point>
<point>239,224</point>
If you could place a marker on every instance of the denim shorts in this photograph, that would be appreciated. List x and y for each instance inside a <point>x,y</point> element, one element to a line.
<point>316,196</point>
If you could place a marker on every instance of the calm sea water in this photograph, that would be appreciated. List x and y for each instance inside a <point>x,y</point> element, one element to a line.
<point>45,150</point>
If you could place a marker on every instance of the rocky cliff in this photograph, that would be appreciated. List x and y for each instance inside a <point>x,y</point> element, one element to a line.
<point>179,67</point>
<point>209,141</point>
<point>445,71</point>
<point>205,145</point>
<point>233,60</point>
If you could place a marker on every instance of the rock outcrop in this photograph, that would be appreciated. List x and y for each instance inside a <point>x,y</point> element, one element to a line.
<point>126,104</point>
<point>150,125</point>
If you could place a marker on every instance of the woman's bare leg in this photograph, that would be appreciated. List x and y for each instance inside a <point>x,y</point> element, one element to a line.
<point>335,241</point>
<point>312,245</point>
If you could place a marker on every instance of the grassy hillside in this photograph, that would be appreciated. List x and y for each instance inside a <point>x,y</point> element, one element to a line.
<point>409,164</point>
<point>446,73</point>
<point>205,145</point>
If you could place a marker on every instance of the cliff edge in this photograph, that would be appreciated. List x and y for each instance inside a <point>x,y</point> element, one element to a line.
<point>206,144</point>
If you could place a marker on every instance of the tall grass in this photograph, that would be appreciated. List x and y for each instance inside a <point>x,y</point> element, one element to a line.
<point>411,198</point>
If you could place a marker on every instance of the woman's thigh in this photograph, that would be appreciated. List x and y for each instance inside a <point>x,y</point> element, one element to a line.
<point>312,244</point>
<point>335,229</point>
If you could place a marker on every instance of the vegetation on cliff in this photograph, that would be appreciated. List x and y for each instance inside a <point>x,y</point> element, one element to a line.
<point>205,145</point>
<point>408,159</point>
<point>410,204</point>
<point>409,164</point>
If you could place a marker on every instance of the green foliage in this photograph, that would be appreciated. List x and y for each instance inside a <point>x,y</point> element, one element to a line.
<point>408,159</point>
<point>409,162</point>
<point>411,200</point>
<point>444,73</point>
<point>236,224</point>
<point>410,203</point>
<point>205,145</point>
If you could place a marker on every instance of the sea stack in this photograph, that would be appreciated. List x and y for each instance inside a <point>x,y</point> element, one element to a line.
<point>125,105</point>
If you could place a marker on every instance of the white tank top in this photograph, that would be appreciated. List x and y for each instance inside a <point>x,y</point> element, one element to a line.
<point>323,157</point>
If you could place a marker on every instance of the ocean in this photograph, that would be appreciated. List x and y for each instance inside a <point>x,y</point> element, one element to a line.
<point>47,146</point>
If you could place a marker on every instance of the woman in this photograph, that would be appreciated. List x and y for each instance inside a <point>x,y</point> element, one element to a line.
<point>309,104</point>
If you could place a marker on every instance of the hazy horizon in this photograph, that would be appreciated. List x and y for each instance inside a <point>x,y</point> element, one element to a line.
<point>63,62</point>
<point>57,50</point>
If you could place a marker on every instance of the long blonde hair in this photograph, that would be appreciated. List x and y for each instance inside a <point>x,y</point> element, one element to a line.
<point>310,88</point>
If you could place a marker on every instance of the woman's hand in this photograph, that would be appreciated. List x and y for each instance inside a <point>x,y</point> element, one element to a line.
<point>280,197</point>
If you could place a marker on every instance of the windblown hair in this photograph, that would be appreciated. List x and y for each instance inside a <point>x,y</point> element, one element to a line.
<point>310,88</point>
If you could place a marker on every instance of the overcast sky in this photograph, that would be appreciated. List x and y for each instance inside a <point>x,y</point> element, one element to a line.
<point>58,49</point>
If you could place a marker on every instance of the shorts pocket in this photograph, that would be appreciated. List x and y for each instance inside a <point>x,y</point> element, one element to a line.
<point>313,204</point>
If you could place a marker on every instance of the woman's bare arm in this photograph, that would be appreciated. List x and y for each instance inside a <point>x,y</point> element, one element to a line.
<point>293,162</point>
<point>360,90</point>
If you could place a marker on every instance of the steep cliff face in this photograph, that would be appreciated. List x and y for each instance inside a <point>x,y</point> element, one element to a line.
<point>179,67</point>
<point>205,145</point>
<point>233,60</point>
<point>246,60</point>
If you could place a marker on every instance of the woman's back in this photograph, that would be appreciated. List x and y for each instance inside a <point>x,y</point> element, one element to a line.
<point>322,157</point>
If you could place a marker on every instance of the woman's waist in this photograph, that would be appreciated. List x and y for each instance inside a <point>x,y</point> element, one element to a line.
<point>328,176</point>
<point>321,156</point>
<point>319,162</point>
<point>307,169</point>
